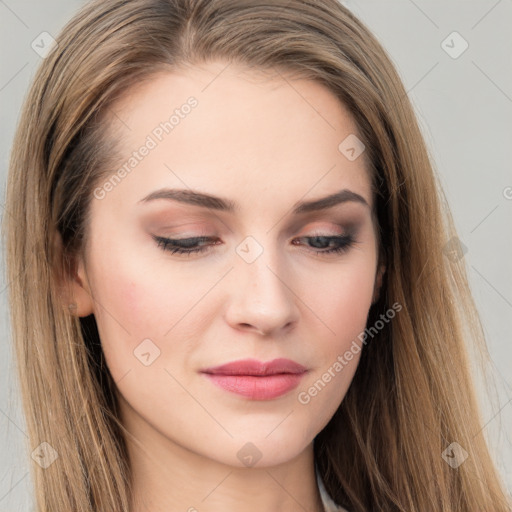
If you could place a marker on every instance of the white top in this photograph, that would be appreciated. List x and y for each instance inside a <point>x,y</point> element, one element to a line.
<point>328,503</point>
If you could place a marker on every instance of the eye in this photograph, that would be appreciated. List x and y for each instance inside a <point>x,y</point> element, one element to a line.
<point>183,245</point>
<point>322,244</point>
<point>341,243</point>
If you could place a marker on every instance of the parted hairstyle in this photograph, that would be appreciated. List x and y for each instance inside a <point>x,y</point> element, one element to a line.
<point>412,394</point>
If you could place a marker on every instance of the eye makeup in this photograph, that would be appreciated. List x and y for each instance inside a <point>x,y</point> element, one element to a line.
<point>319,244</point>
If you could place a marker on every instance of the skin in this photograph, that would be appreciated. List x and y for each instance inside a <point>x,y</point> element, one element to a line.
<point>265,143</point>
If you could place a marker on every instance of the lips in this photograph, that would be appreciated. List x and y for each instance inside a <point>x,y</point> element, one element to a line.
<point>255,367</point>
<point>257,380</point>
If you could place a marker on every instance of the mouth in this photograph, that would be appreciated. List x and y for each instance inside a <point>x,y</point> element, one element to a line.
<point>255,379</point>
<point>257,368</point>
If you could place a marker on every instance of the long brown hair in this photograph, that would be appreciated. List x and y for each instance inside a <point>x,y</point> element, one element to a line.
<point>411,396</point>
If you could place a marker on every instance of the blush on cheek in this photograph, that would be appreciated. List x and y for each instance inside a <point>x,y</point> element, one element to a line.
<point>343,303</point>
<point>131,296</point>
<point>139,309</point>
<point>347,318</point>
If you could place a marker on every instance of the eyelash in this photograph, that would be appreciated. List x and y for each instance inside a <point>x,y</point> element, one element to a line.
<point>175,246</point>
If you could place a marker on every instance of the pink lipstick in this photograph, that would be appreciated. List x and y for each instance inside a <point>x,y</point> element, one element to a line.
<point>257,380</point>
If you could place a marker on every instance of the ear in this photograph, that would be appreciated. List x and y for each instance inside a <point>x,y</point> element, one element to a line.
<point>378,282</point>
<point>72,283</point>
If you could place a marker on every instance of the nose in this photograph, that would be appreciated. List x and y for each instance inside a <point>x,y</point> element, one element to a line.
<point>262,298</point>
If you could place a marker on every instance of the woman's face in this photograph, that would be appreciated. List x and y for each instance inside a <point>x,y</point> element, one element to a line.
<point>229,155</point>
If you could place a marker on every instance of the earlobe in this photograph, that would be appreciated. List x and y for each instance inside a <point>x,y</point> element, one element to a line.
<point>82,303</point>
<point>72,281</point>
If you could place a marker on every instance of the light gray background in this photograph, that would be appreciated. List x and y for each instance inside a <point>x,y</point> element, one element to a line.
<point>464,105</point>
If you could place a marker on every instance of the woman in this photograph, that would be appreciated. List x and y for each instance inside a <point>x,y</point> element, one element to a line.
<point>232,274</point>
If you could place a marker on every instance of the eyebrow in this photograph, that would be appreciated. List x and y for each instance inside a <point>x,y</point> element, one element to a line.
<point>226,205</point>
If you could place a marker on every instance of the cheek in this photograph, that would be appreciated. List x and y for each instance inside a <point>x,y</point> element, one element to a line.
<point>137,306</point>
<point>340,302</point>
<point>129,309</point>
<point>349,306</point>
<point>341,298</point>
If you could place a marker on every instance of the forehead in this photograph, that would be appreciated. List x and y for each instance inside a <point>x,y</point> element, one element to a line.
<point>251,133</point>
<point>228,88</point>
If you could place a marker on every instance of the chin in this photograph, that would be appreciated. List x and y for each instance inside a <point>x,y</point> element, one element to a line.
<point>264,448</point>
